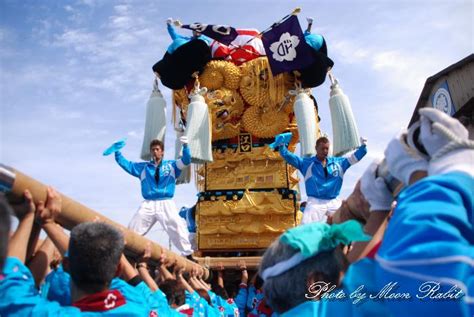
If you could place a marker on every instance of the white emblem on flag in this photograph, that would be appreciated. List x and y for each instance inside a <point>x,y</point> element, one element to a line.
<point>109,302</point>
<point>221,29</point>
<point>198,27</point>
<point>285,48</point>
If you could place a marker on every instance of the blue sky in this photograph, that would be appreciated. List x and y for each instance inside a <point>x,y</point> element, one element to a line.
<point>76,75</point>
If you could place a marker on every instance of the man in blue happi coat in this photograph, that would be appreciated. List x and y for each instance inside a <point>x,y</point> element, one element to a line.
<point>323,175</point>
<point>158,182</point>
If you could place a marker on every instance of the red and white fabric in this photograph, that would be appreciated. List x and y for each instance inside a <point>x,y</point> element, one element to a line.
<point>245,47</point>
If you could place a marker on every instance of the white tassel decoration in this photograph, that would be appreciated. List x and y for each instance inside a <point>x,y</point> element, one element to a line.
<point>155,121</point>
<point>198,127</point>
<point>307,126</point>
<point>344,128</point>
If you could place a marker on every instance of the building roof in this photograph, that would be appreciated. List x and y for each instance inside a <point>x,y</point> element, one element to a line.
<point>427,89</point>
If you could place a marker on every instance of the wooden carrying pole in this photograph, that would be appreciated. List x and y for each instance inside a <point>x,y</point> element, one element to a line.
<point>233,263</point>
<point>74,213</point>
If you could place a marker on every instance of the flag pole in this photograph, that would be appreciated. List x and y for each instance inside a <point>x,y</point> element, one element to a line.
<point>295,12</point>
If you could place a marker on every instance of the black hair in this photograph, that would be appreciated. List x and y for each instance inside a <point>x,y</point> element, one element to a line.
<point>322,139</point>
<point>156,142</point>
<point>258,282</point>
<point>204,294</point>
<point>221,291</point>
<point>95,249</point>
<point>174,293</point>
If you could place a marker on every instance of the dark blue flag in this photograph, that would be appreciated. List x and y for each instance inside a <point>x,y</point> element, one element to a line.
<point>286,47</point>
<point>221,33</point>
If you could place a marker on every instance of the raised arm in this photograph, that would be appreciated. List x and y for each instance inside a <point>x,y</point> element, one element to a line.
<point>241,298</point>
<point>46,214</point>
<point>33,242</point>
<point>172,31</point>
<point>40,263</point>
<point>360,152</point>
<point>220,275</point>
<point>19,240</point>
<point>132,168</point>
<point>17,288</point>
<point>194,282</point>
<point>355,156</point>
<point>165,274</point>
<point>182,281</point>
<point>185,160</point>
<point>290,158</point>
<point>143,268</point>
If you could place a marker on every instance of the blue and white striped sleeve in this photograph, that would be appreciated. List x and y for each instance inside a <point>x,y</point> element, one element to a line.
<point>354,157</point>
<point>185,160</point>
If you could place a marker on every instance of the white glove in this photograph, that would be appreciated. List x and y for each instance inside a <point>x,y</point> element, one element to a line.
<point>433,140</point>
<point>447,142</point>
<point>402,160</point>
<point>363,141</point>
<point>413,140</point>
<point>374,189</point>
<point>169,21</point>
<point>183,139</point>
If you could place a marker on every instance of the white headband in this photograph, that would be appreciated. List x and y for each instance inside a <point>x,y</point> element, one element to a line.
<point>283,266</point>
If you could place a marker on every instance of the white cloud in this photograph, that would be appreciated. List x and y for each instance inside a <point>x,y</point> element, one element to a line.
<point>89,3</point>
<point>108,83</point>
<point>136,134</point>
<point>110,52</point>
<point>121,22</point>
<point>121,9</point>
<point>406,70</point>
<point>348,51</point>
<point>64,114</point>
<point>78,39</point>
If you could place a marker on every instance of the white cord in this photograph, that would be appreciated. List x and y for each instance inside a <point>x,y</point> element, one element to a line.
<point>455,143</point>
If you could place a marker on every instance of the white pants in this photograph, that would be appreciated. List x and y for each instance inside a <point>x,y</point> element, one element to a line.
<point>318,210</point>
<point>165,212</point>
<point>192,239</point>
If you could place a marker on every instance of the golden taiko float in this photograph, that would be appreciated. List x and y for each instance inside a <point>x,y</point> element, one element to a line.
<point>248,195</point>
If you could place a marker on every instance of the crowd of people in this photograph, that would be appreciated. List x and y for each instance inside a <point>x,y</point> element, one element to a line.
<point>381,253</point>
